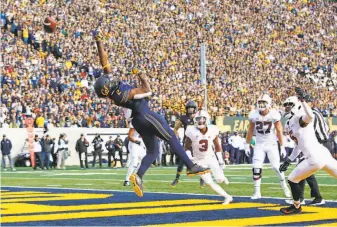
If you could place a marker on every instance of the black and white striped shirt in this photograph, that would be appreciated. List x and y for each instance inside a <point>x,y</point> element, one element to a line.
<point>320,125</point>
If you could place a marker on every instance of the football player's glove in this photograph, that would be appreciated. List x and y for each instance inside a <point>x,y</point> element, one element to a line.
<point>137,142</point>
<point>302,95</point>
<point>284,166</point>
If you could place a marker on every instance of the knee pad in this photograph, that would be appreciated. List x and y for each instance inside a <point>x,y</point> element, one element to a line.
<point>257,173</point>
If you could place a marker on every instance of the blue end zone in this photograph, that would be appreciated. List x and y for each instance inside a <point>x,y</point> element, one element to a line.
<point>119,197</point>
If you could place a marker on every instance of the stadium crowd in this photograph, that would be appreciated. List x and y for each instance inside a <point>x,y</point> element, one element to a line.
<point>252,47</point>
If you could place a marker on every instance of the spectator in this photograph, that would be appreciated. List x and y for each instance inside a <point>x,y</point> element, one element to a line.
<point>62,147</point>
<point>6,147</point>
<point>54,148</point>
<point>98,145</point>
<point>47,144</point>
<point>81,147</point>
<point>118,142</point>
<point>235,141</point>
<point>109,145</point>
<point>38,153</point>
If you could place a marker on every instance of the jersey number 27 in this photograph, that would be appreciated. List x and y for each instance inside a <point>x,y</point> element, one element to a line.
<point>260,127</point>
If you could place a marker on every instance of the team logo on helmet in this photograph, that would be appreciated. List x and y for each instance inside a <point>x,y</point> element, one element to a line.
<point>105,90</point>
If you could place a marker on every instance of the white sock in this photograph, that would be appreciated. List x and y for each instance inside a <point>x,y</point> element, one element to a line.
<point>131,170</point>
<point>257,185</point>
<point>215,187</point>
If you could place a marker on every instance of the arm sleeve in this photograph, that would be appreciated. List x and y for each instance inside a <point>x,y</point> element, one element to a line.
<point>309,115</point>
<point>295,153</point>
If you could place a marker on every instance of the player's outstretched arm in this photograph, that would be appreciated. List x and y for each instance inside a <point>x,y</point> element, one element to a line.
<point>103,58</point>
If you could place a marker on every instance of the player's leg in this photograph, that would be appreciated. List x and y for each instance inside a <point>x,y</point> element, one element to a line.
<point>133,165</point>
<point>302,171</point>
<point>258,159</point>
<point>179,171</point>
<point>331,166</point>
<point>274,158</point>
<point>216,170</point>
<point>161,128</point>
<point>160,153</point>
<point>315,193</point>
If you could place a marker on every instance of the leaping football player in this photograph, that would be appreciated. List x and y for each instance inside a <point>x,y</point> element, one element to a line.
<point>267,123</point>
<point>146,122</point>
<point>201,137</point>
<point>300,127</point>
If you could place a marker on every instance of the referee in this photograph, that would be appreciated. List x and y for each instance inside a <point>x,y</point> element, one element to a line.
<point>322,135</point>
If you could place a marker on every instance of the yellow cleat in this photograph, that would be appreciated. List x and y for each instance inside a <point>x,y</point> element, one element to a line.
<point>137,184</point>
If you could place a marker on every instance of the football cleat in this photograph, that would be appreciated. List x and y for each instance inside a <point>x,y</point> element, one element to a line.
<point>290,201</point>
<point>202,183</point>
<point>174,183</point>
<point>126,183</point>
<point>256,195</point>
<point>137,184</point>
<point>228,200</point>
<point>197,170</point>
<point>317,202</point>
<point>291,210</point>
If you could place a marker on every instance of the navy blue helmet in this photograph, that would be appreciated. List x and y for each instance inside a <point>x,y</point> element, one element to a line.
<point>105,86</point>
<point>191,104</point>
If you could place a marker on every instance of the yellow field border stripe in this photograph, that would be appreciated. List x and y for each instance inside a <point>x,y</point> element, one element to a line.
<point>131,212</point>
<point>26,208</point>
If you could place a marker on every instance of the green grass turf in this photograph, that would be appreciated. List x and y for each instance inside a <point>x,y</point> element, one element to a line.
<point>158,179</point>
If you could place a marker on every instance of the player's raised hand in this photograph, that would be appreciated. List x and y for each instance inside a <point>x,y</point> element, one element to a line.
<point>302,95</point>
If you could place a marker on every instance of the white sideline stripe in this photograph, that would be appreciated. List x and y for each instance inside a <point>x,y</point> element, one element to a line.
<point>54,185</point>
<point>187,180</point>
<point>177,193</point>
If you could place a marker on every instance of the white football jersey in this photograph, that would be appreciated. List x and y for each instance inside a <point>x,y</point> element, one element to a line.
<point>304,137</point>
<point>202,144</point>
<point>264,126</point>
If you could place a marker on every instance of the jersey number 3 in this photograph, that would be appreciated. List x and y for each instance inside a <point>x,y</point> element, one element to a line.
<point>204,145</point>
<point>260,125</point>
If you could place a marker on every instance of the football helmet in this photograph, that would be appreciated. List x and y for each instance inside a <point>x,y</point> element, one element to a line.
<point>291,106</point>
<point>263,102</point>
<point>191,107</point>
<point>201,119</point>
<point>104,86</point>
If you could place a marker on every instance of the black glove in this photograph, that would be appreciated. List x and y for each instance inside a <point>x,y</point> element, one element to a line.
<point>285,165</point>
<point>302,95</point>
<point>137,142</point>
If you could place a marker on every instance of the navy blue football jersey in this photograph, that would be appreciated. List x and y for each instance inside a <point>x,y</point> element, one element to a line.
<point>120,98</point>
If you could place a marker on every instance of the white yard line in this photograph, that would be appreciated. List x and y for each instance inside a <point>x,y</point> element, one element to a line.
<point>167,181</point>
<point>54,185</point>
<point>102,190</point>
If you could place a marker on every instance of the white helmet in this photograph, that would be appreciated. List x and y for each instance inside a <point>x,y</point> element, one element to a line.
<point>263,102</point>
<point>291,106</point>
<point>201,119</point>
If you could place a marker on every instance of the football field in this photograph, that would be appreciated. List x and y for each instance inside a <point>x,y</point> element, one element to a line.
<point>98,197</point>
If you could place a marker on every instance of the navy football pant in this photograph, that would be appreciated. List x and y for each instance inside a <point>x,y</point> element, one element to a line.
<point>151,125</point>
